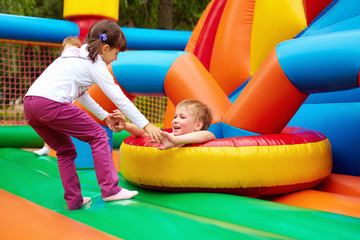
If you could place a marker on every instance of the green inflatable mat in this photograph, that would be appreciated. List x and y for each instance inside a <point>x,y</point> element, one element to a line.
<point>26,137</point>
<point>161,215</point>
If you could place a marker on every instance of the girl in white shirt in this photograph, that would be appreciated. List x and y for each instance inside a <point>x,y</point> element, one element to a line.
<point>49,110</point>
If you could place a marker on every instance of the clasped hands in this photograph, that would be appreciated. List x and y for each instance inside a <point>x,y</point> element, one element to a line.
<point>116,122</point>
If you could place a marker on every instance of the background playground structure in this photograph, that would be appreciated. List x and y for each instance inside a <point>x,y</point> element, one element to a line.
<point>306,214</point>
<point>24,57</point>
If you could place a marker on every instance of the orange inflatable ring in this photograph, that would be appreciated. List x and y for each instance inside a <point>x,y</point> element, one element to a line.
<point>295,159</point>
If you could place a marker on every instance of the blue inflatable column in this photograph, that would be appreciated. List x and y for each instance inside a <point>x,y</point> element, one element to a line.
<point>84,159</point>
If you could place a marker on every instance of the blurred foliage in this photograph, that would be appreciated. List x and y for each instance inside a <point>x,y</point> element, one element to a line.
<point>187,13</point>
<point>132,13</point>
<point>18,7</point>
<point>33,8</point>
<point>138,13</point>
<point>144,13</point>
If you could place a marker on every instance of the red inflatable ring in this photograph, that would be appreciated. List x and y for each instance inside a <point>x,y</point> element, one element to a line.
<point>295,159</point>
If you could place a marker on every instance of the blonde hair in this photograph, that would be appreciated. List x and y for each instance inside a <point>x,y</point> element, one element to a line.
<point>73,41</point>
<point>200,110</point>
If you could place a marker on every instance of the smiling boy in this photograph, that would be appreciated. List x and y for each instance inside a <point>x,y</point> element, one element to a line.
<point>191,120</point>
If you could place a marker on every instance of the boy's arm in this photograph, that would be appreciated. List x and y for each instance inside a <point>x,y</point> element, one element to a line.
<point>134,130</point>
<point>169,140</point>
<point>149,130</point>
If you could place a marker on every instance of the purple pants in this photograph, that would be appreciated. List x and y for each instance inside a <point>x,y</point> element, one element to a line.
<point>55,122</point>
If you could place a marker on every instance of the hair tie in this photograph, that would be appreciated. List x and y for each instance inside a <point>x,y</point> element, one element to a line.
<point>103,37</point>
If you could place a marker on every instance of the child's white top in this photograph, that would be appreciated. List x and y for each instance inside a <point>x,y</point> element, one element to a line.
<point>70,76</point>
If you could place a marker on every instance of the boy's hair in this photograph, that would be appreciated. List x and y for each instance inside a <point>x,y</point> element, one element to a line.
<point>110,33</point>
<point>73,41</point>
<point>201,111</point>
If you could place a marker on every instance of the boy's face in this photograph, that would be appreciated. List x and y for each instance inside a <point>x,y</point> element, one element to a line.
<point>184,121</point>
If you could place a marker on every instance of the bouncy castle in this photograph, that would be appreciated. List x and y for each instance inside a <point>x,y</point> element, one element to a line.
<point>282,80</point>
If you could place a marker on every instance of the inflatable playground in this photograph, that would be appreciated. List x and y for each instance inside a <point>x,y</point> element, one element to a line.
<point>282,80</point>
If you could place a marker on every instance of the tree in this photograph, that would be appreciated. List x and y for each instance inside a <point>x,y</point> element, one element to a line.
<point>186,13</point>
<point>165,14</point>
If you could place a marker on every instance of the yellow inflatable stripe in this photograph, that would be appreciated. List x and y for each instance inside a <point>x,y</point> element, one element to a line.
<point>108,8</point>
<point>226,167</point>
<point>274,21</point>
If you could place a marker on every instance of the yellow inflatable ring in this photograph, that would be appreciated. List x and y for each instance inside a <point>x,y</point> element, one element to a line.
<point>295,159</point>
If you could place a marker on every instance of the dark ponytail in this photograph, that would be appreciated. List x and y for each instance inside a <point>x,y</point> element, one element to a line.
<point>110,33</point>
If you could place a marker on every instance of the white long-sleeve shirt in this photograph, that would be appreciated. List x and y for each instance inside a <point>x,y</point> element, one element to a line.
<point>70,76</point>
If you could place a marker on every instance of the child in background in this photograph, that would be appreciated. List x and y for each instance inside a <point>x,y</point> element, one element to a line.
<point>191,120</point>
<point>67,42</point>
<point>49,111</point>
<point>71,42</point>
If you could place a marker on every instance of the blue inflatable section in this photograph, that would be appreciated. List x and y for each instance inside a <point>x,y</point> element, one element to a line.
<point>339,16</point>
<point>144,72</point>
<point>352,95</point>
<point>84,160</point>
<point>36,29</point>
<point>340,123</point>
<point>151,39</point>
<point>322,63</point>
<point>326,57</point>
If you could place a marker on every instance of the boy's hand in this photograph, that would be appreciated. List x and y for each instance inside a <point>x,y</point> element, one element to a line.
<point>168,141</point>
<point>154,132</point>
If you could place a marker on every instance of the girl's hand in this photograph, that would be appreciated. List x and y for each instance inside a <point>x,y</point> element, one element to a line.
<point>154,132</point>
